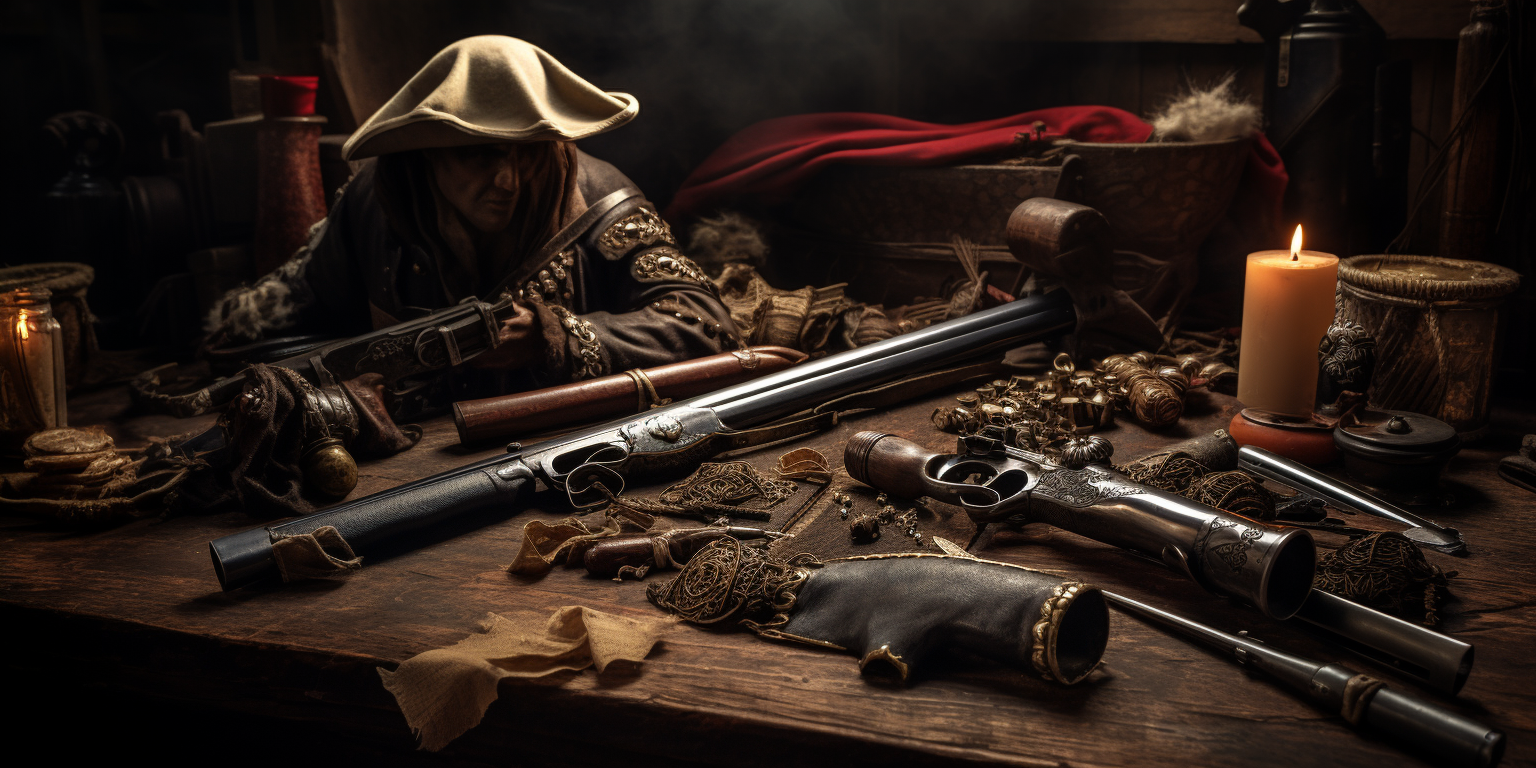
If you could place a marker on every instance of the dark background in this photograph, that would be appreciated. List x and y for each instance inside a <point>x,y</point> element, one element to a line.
<point>701,70</point>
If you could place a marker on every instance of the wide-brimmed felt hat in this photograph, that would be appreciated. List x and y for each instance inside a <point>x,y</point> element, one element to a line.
<point>489,89</point>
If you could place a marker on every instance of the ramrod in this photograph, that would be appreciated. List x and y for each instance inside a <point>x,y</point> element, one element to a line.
<point>668,440</point>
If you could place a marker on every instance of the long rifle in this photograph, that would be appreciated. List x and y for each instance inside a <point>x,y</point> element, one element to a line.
<point>668,440</point>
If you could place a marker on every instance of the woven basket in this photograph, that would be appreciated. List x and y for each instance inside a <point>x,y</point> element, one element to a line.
<point>886,231</point>
<point>1436,324</point>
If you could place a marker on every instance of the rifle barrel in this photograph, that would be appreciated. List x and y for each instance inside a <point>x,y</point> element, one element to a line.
<point>1412,723</point>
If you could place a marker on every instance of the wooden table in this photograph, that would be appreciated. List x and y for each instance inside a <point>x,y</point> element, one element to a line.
<point>119,641</point>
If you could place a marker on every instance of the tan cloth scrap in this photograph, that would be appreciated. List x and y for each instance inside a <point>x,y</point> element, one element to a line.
<point>445,692</point>
<point>546,544</point>
<point>805,464</point>
<point>314,555</point>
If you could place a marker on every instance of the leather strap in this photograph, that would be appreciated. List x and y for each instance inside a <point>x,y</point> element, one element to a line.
<point>565,237</point>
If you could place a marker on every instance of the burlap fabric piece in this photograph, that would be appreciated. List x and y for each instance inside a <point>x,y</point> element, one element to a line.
<point>445,692</point>
<point>547,544</point>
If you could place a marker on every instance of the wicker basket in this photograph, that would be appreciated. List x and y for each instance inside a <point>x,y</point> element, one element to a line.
<point>886,231</point>
<point>1436,324</point>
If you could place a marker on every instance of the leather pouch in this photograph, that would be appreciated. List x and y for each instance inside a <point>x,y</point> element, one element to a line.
<point>896,610</point>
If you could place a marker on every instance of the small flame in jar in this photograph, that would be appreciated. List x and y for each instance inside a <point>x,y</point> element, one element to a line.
<point>1296,245</point>
<point>21,326</point>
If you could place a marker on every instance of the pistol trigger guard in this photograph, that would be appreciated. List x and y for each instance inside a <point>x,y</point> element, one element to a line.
<point>585,486</point>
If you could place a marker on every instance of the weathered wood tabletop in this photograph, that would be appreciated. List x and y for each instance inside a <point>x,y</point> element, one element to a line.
<point>136,611</point>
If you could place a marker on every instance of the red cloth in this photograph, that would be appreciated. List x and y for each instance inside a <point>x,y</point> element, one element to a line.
<point>1264,183</point>
<point>767,161</point>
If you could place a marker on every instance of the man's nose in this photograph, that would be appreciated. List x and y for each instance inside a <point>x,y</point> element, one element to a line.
<point>506,175</point>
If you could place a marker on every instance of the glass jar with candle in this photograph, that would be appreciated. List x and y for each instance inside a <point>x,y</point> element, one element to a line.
<point>31,367</point>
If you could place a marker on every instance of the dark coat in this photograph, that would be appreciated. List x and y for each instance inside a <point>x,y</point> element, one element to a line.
<point>619,296</point>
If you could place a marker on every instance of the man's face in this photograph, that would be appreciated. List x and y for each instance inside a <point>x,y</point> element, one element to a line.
<point>481,181</point>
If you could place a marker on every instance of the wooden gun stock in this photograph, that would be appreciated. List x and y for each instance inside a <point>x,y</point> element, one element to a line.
<point>527,413</point>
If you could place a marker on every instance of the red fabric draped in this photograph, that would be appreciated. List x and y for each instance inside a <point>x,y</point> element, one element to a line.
<point>768,160</point>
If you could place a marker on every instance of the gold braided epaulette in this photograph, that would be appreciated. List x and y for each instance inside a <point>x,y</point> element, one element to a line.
<point>641,228</point>
<point>667,264</point>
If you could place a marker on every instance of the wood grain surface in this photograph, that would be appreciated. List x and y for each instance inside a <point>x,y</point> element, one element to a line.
<point>136,611</point>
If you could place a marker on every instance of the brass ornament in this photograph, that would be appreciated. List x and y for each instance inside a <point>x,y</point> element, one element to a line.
<point>330,422</point>
<point>1347,359</point>
<point>329,468</point>
<point>1043,411</point>
<point>644,227</point>
<point>864,528</point>
<point>552,284</point>
<point>1047,628</point>
<point>587,361</point>
<point>1079,452</point>
<point>668,264</point>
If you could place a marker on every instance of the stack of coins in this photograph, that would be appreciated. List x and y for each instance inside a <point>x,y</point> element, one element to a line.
<point>76,464</point>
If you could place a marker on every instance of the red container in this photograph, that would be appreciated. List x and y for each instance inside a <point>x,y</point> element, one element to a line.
<point>288,95</point>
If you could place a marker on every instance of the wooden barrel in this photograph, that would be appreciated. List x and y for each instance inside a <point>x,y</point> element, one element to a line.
<point>1436,325</point>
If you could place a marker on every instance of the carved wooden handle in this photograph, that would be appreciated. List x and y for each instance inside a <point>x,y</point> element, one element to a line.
<point>889,463</point>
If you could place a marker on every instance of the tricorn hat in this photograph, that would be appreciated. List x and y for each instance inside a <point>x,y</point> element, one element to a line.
<point>488,89</point>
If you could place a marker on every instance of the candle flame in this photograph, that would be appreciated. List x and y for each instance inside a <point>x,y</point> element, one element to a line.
<point>1296,245</point>
<point>21,326</point>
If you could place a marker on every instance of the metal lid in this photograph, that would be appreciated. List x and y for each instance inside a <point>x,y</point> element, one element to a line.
<point>1376,432</point>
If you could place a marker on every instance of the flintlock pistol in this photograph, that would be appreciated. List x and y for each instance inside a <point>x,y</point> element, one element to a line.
<point>1268,566</point>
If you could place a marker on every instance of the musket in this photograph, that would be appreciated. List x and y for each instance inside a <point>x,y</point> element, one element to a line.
<point>1411,723</point>
<point>1268,566</point>
<point>434,342</point>
<point>667,440</point>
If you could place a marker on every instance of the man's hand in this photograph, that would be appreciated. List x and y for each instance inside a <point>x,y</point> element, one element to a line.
<point>520,342</point>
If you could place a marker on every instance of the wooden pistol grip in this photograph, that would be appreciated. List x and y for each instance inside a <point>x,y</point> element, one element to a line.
<point>889,463</point>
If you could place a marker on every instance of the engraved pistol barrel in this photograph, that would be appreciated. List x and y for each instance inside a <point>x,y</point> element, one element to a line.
<point>1268,566</point>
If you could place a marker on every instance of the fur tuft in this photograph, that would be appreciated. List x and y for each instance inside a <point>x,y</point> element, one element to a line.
<point>248,313</point>
<point>1213,114</point>
<point>725,239</point>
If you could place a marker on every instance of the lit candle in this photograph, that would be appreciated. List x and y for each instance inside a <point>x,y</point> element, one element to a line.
<point>31,367</point>
<point>1287,307</point>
